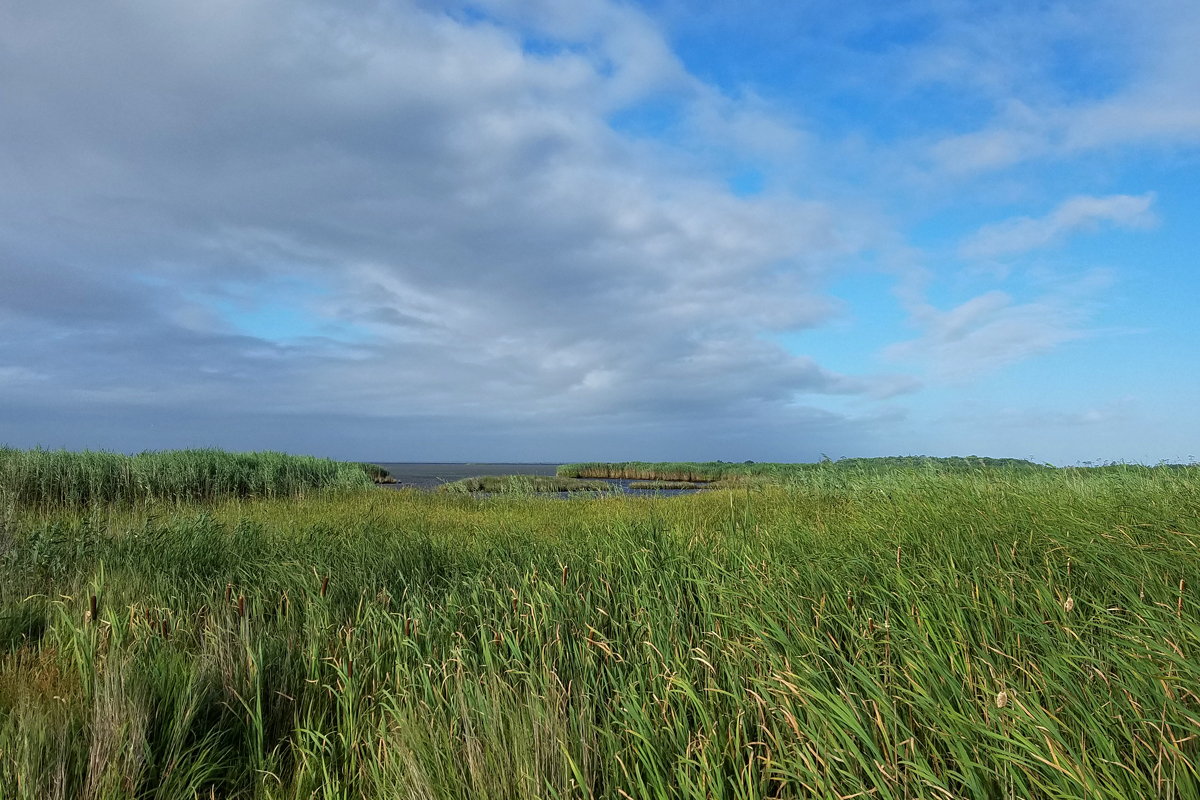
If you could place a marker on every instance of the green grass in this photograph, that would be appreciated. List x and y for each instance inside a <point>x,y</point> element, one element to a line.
<point>521,485</point>
<point>59,478</point>
<point>889,633</point>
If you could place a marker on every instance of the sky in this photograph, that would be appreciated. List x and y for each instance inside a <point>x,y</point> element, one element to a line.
<point>551,230</point>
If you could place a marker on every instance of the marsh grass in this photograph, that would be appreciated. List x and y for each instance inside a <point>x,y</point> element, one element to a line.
<point>898,635</point>
<point>522,485</point>
<point>60,478</point>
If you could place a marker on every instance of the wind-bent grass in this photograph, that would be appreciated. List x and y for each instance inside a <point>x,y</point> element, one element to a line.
<point>59,478</point>
<point>999,633</point>
<point>521,485</point>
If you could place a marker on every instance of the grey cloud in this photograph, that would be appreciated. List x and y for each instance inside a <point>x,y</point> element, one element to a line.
<point>490,248</point>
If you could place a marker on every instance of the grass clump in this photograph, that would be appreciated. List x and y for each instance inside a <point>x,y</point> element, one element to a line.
<point>59,478</point>
<point>902,634</point>
<point>377,473</point>
<point>522,485</point>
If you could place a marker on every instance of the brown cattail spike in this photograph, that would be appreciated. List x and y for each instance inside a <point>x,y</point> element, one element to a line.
<point>228,592</point>
<point>241,605</point>
<point>564,575</point>
<point>92,609</point>
<point>166,628</point>
<point>324,585</point>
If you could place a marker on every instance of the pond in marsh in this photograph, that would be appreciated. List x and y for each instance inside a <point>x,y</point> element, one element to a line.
<point>429,476</point>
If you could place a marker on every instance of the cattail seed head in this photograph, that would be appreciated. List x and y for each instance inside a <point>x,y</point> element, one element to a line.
<point>166,628</point>
<point>228,592</point>
<point>241,605</point>
<point>1002,699</point>
<point>564,575</point>
<point>324,585</point>
<point>1069,605</point>
<point>92,609</point>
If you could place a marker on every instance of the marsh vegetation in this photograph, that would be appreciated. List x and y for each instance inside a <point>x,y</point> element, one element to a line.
<point>521,485</point>
<point>893,632</point>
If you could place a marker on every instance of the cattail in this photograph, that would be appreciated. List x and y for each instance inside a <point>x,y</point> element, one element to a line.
<point>1069,605</point>
<point>564,575</point>
<point>228,593</point>
<point>241,605</point>
<point>406,627</point>
<point>1002,699</point>
<point>349,667</point>
<point>92,613</point>
<point>166,628</point>
<point>147,616</point>
<point>870,626</point>
<point>849,600</point>
<point>324,585</point>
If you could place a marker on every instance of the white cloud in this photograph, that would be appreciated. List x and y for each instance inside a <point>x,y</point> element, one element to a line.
<point>1022,234</point>
<point>992,331</point>
<point>1141,81</point>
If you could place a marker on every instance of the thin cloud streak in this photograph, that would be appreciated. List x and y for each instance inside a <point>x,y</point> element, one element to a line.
<point>1022,234</point>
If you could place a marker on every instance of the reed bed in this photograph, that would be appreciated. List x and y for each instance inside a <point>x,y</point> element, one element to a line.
<point>60,478</point>
<point>995,634</point>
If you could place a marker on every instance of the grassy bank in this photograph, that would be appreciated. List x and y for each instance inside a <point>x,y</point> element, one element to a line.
<point>723,470</point>
<point>999,633</point>
<point>60,478</point>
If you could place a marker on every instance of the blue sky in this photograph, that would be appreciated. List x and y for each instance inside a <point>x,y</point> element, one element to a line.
<point>541,230</point>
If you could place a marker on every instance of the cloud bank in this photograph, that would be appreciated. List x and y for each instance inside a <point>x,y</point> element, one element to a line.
<point>398,211</point>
